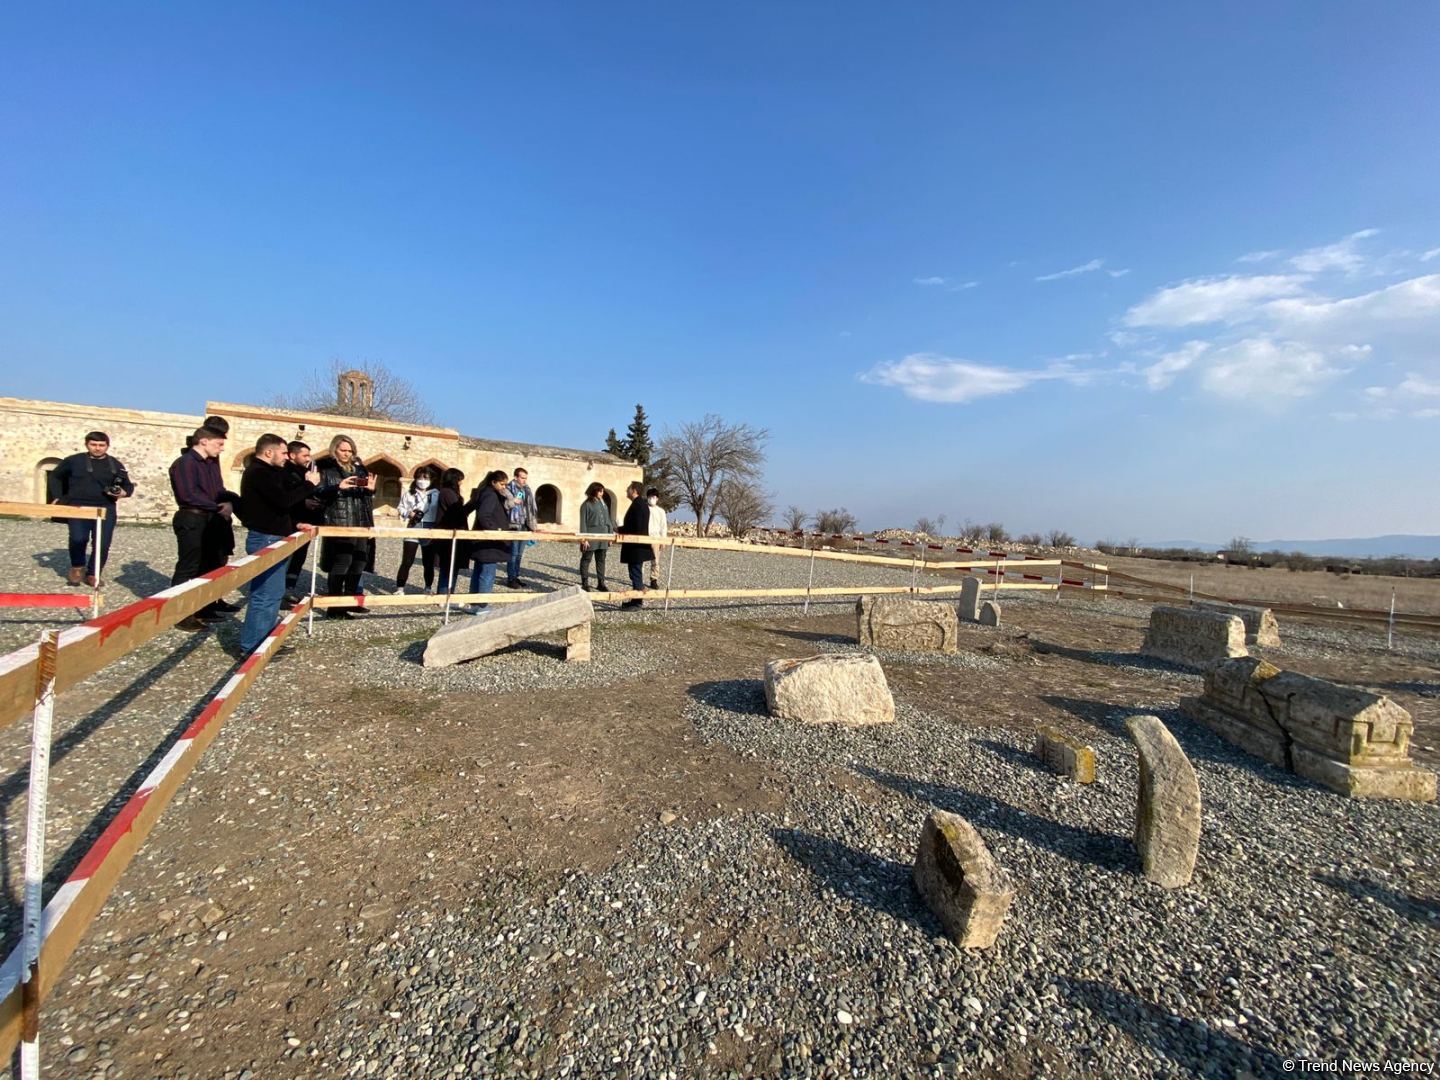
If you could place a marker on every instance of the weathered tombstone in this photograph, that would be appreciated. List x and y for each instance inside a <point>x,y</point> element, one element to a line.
<point>1260,625</point>
<point>1351,740</point>
<point>1193,638</point>
<point>1167,814</point>
<point>829,689</point>
<point>960,881</point>
<point>970,600</point>
<point>899,622</point>
<point>502,626</point>
<point>990,613</point>
<point>1066,754</point>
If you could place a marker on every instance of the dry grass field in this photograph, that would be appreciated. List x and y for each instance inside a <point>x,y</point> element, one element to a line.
<point>1419,596</point>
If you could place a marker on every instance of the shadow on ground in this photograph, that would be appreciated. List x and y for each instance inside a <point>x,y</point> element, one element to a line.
<point>1423,910</point>
<point>1078,844</point>
<point>879,883</point>
<point>1198,1050</point>
<point>745,697</point>
<point>1112,659</point>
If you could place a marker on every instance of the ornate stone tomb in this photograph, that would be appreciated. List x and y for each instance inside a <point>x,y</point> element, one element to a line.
<point>1351,740</point>
<point>1260,626</point>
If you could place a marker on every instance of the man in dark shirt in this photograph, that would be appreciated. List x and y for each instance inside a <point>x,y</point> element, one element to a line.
<point>93,478</point>
<point>201,523</point>
<point>269,499</point>
<point>310,512</point>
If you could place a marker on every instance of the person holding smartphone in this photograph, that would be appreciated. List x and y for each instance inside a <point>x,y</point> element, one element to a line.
<point>347,490</point>
<point>93,478</point>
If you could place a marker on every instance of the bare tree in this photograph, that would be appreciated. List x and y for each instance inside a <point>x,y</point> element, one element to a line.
<point>1033,539</point>
<point>742,505</point>
<point>836,521</point>
<point>389,397</point>
<point>934,527</point>
<point>699,456</point>
<point>1241,546</point>
<point>1058,538</point>
<point>795,518</point>
<point>995,533</point>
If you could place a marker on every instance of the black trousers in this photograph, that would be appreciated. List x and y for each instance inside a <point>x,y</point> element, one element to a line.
<point>345,561</point>
<point>428,558</point>
<point>599,557</point>
<point>201,537</point>
<point>295,566</point>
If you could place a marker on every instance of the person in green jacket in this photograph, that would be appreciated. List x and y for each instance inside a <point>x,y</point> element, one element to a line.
<point>595,518</point>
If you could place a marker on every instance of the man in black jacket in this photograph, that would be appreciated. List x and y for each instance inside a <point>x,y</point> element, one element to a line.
<point>93,478</point>
<point>298,465</point>
<point>634,556</point>
<point>269,498</point>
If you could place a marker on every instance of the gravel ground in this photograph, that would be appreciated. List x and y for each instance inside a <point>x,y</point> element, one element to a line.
<point>792,942</point>
<point>795,944</point>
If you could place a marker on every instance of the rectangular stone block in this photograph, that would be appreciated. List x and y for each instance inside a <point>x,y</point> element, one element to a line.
<point>1193,638</point>
<point>899,622</point>
<point>1260,625</point>
<point>504,625</point>
<point>577,644</point>
<point>829,689</point>
<point>1066,755</point>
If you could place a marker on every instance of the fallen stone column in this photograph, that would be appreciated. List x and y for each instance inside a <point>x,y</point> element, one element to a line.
<point>1261,628</point>
<point>1066,755</point>
<point>1193,638</point>
<point>1167,813</point>
<point>829,690</point>
<point>503,626</point>
<point>960,881</point>
<point>1353,741</point>
<point>896,622</point>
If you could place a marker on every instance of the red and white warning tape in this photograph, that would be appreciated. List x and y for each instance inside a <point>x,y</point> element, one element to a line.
<point>75,885</point>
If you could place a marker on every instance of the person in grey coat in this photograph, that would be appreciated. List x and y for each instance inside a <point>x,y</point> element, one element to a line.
<point>595,518</point>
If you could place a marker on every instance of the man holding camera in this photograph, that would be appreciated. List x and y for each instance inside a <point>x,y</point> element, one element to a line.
<point>270,498</point>
<point>93,478</point>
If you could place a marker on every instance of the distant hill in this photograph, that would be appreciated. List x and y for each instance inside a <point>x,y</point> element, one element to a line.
<point>1415,547</point>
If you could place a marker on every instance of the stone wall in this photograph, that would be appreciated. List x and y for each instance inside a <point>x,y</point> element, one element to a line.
<point>35,435</point>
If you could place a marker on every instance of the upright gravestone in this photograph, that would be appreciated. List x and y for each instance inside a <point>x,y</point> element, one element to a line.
<point>960,881</point>
<point>1167,813</point>
<point>990,613</point>
<point>970,600</point>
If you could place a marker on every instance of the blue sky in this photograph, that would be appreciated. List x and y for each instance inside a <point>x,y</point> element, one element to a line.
<point>1128,270</point>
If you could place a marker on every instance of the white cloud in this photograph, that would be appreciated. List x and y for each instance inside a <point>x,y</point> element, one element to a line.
<point>1257,256</point>
<point>1162,373</point>
<point>1261,369</point>
<point>932,377</point>
<point>1417,298</point>
<point>929,280</point>
<point>1229,299</point>
<point>1083,268</point>
<point>1426,414</point>
<point>1341,255</point>
<point>1419,386</point>
<point>1118,273</point>
<point>962,286</point>
<point>1431,254</point>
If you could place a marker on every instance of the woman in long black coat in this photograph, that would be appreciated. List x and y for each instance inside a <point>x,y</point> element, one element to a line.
<point>489,503</point>
<point>635,556</point>
<point>450,513</point>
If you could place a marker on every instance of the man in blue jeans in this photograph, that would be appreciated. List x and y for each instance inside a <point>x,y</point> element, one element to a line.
<point>521,509</point>
<point>270,496</point>
<point>93,478</point>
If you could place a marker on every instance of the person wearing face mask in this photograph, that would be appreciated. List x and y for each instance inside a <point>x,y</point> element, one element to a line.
<point>659,526</point>
<point>269,499</point>
<point>417,509</point>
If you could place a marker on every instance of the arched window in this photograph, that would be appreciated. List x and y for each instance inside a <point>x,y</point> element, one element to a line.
<point>43,468</point>
<point>387,480</point>
<point>547,504</point>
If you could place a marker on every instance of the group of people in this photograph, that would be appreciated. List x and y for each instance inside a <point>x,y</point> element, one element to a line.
<point>283,489</point>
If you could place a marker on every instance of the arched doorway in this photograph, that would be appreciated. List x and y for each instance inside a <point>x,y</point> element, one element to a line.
<point>547,504</point>
<point>388,484</point>
<point>610,502</point>
<point>43,468</point>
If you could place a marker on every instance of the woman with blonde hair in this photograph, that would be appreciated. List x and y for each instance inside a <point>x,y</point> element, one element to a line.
<point>348,491</point>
